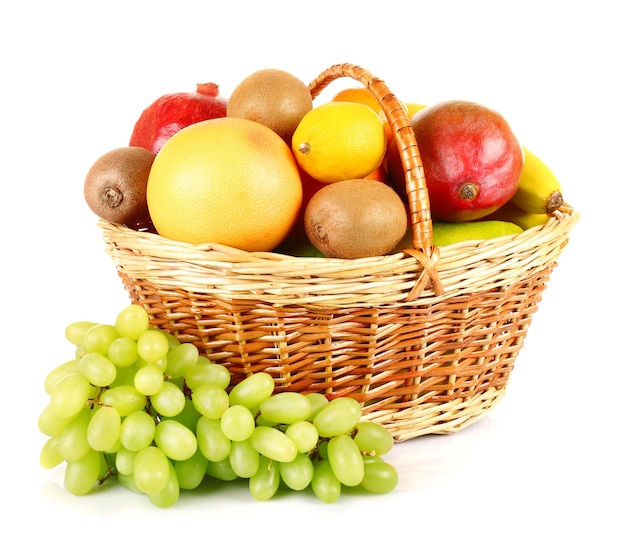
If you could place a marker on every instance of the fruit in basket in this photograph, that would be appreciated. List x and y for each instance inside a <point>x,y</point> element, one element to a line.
<point>355,218</point>
<point>538,191</point>
<point>115,185</point>
<point>174,111</point>
<point>412,108</point>
<point>227,180</point>
<point>339,140</point>
<point>297,242</point>
<point>358,94</point>
<point>103,439</point>
<point>272,97</point>
<point>512,213</point>
<point>446,233</point>
<point>472,159</point>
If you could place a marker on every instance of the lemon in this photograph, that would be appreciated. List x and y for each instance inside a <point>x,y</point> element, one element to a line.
<point>339,140</point>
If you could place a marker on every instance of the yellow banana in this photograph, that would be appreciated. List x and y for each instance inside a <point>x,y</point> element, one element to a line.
<point>512,213</point>
<point>538,192</point>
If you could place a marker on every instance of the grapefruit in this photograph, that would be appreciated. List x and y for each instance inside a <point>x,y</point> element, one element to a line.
<point>227,180</point>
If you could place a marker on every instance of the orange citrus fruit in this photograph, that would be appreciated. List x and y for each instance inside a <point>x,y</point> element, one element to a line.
<point>339,140</point>
<point>227,180</point>
<point>358,95</point>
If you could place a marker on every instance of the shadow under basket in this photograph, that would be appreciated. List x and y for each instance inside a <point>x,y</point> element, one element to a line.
<point>425,338</point>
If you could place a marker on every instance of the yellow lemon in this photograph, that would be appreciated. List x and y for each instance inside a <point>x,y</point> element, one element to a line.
<point>339,140</point>
<point>227,180</point>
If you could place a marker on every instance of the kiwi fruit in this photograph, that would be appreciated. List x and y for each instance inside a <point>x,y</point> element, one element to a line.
<point>355,218</point>
<point>115,185</point>
<point>272,97</point>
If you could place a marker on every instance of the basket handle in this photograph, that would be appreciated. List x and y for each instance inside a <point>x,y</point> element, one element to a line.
<point>417,192</point>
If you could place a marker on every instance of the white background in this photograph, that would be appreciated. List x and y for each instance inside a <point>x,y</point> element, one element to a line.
<point>545,469</point>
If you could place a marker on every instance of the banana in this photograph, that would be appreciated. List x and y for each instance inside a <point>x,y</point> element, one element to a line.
<point>512,213</point>
<point>538,191</point>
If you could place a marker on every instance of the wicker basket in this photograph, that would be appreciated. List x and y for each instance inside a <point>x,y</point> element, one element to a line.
<point>425,338</point>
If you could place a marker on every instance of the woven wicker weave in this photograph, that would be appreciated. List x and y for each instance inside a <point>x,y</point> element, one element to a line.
<point>425,338</point>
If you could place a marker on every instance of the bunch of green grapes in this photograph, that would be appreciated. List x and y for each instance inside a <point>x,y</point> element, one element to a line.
<point>137,406</point>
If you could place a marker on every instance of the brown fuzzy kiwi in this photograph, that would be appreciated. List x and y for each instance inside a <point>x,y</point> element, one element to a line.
<point>272,97</point>
<point>355,219</point>
<point>115,185</point>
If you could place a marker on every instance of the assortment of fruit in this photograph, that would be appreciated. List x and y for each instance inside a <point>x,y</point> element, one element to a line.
<point>266,169</point>
<point>137,406</point>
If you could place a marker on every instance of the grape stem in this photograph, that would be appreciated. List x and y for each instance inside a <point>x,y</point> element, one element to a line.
<point>111,471</point>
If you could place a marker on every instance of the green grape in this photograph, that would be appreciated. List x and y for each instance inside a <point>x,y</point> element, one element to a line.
<point>321,450</point>
<point>210,400</point>
<point>80,351</point>
<point>345,460</point>
<point>151,470</point>
<point>303,434</point>
<point>161,364</point>
<point>207,372</point>
<point>318,402</point>
<point>128,482</point>
<point>125,376</point>
<point>169,400</point>
<point>132,321</point>
<point>260,419</point>
<point>75,332</point>
<point>324,482</point>
<point>73,443</point>
<point>126,399</point>
<point>273,443</point>
<point>188,416</point>
<point>49,456</point>
<point>59,372</point>
<point>221,470</point>
<point>244,458</point>
<point>379,477</point>
<point>82,475</point>
<point>215,446</point>
<point>172,341</point>
<point>180,359</point>
<point>99,338</point>
<point>153,345</point>
<point>123,351</point>
<point>237,423</point>
<point>373,438</point>
<point>253,390</point>
<point>124,461</point>
<point>149,379</point>
<point>69,395</point>
<point>265,481</point>
<point>98,369</point>
<point>339,416</point>
<point>191,471</point>
<point>286,408</point>
<point>51,424</point>
<point>103,431</point>
<point>168,496</point>
<point>137,430</point>
<point>177,441</point>
<point>298,473</point>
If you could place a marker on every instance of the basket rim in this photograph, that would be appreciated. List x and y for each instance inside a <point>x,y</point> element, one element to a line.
<point>281,279</point>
